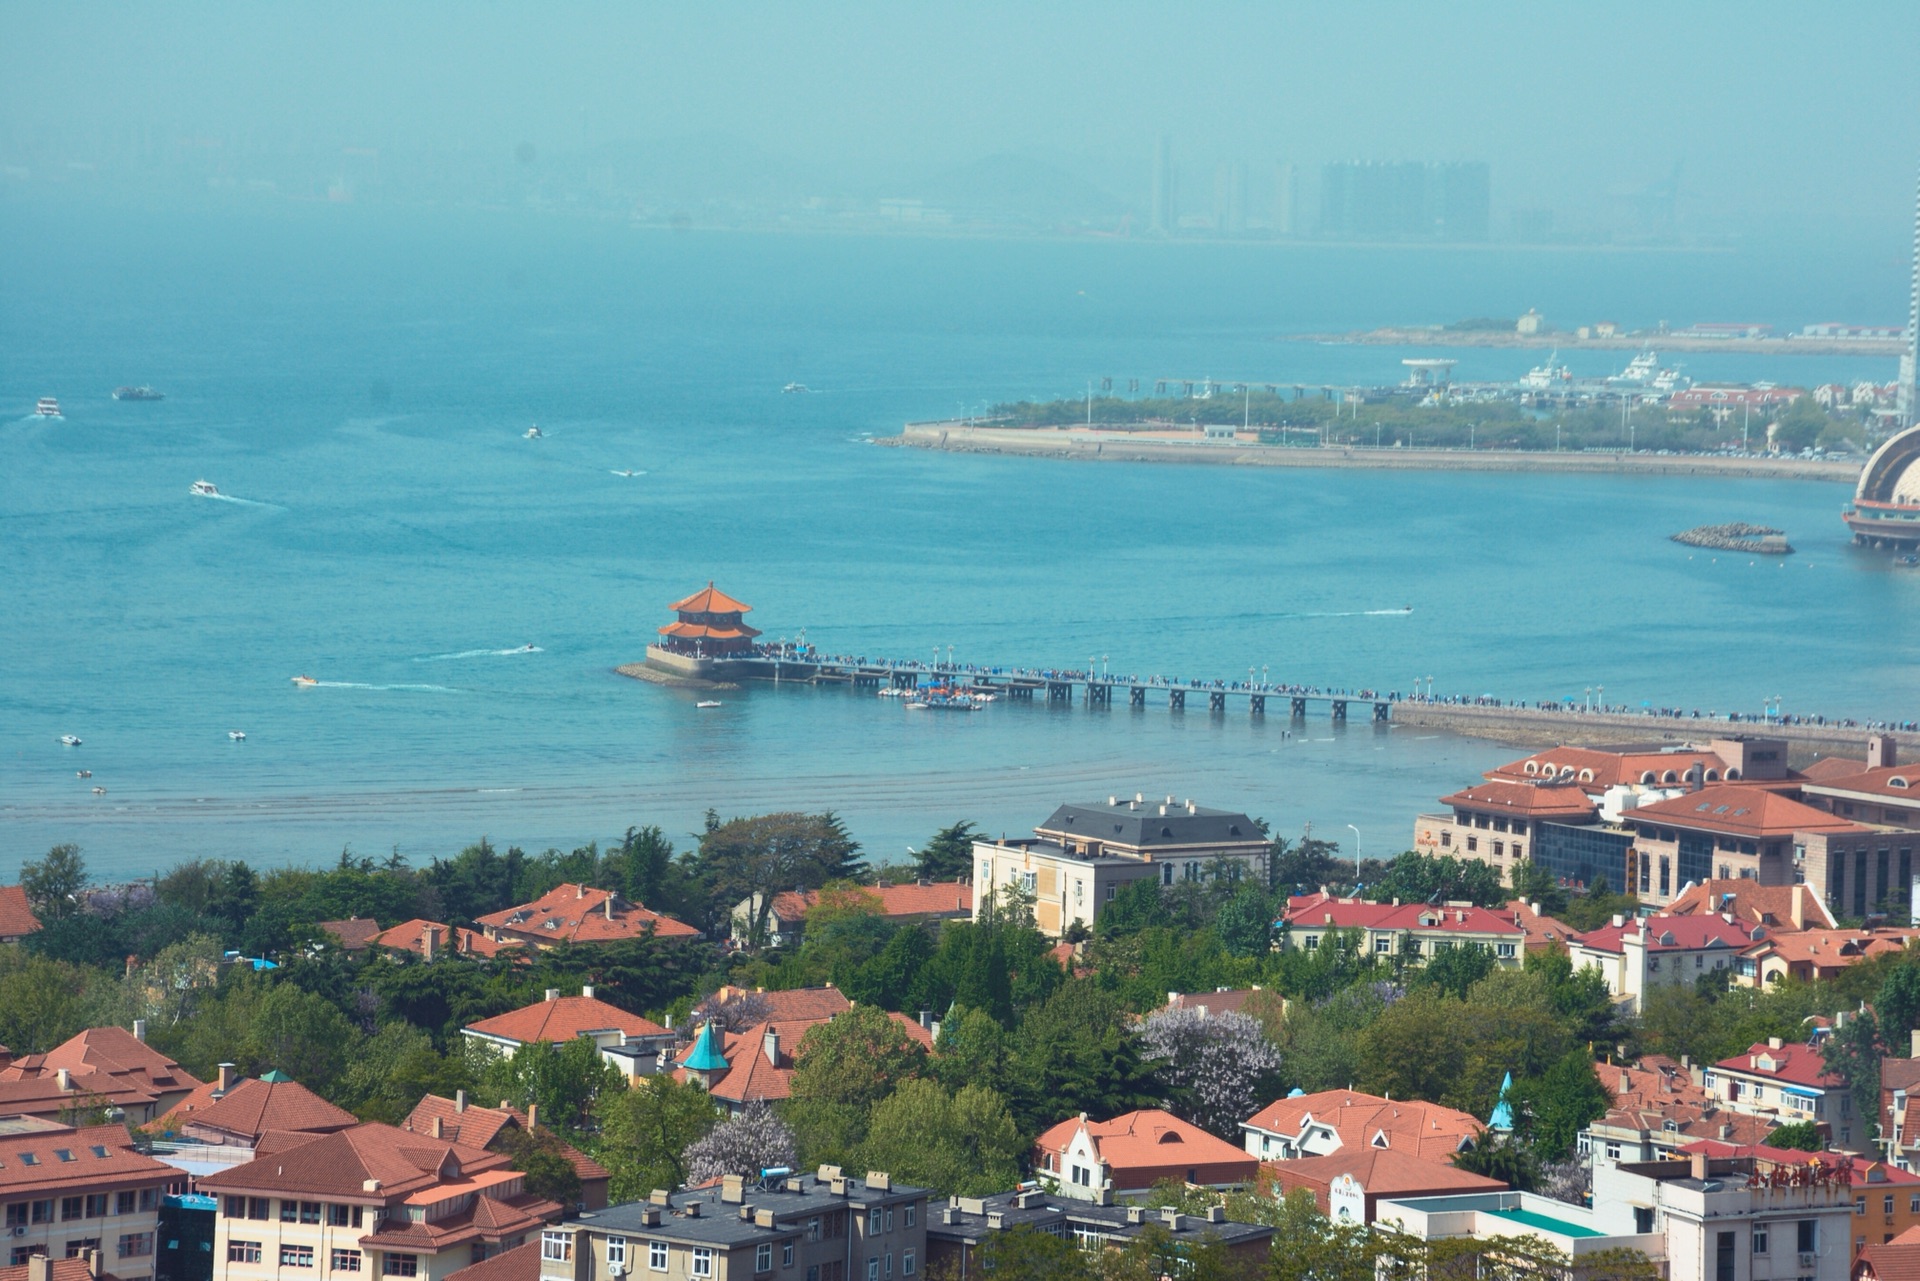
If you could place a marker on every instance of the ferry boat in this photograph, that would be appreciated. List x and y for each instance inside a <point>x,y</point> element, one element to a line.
<point>534,432</point>
<point>1545,377</point>
<point>708,702</point>
<point>47,408</point>
<point>203,489</point>
<point>237,735</point>
<point>70,740</point>
<point>137,393</point>
<point>305,680</point>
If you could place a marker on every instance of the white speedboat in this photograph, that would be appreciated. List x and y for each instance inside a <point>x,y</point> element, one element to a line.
<point>305,680</point>
<point>83,773</point>
<point>99,791</point>
<point>237,735</point>
<point>203,489</point>
<point>708,702</point>
<point>534,432</point>
<point>47,408</point>
<point>70,740</point>
<point>794,388</point>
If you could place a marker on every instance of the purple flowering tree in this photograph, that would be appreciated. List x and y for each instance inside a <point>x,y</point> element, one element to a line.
<point>755,1140</point>
<point>1216,1069</point>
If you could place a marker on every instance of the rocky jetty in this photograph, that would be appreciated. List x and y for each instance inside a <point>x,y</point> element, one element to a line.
<point>1738,537</point>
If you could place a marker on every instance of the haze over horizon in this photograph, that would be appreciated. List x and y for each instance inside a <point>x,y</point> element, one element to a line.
<point>1771,122</point>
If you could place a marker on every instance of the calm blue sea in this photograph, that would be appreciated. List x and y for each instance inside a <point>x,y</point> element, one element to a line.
<point>359,381</point>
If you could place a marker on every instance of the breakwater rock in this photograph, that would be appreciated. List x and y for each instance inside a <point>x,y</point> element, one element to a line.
<point>1738,537</point>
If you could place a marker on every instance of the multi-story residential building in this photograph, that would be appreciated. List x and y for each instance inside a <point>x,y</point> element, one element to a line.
<point>1575,1231</point>
<point>1349,1185</point>
<point>1790,1082</point>
<point>370,1201</point>
<point>100,1067</point>
<point>236,1111</point>
<point>1658,1108</point>
<point>1886,1199</point>
<point>1415,931</point>
<point>1347,1120</point>
<point>68,1190</point>
<point>809,1227</point>
<point>1816,954</point>
<point>957,1230</point>
<point>1500,822</point>
<point>1780,909</point>
<point>1127,1155</point>
<point>915,901</point>
<point>470,1125</point>
<point>1637,956</point>
<point>1082,855</point>
<point>579,914</point>
<point>1899,1085</point>
<point>562,1018</point>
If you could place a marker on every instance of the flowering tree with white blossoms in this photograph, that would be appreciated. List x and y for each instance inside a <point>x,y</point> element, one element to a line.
<point>1216,1068</point>
<point>755,1140</point>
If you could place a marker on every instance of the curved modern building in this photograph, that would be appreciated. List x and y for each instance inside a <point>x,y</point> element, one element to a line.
<point>1886,507</point>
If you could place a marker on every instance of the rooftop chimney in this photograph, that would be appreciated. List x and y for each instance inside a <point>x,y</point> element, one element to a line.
<point>65,1078</point>
<point>586,990</point>
<point>733,1189</point>
<point>226,1078</point>
<point>926,1018</point>
<point>428,938</point>
<point>140,1030</point>
<point>1775,1043</point>
<point>439,1128</point>
<point>1882,750</point>
<point>459,1100</point>
<point>1913,1047</point>
<point>880,1180</point>
<point>608,905</point>
<point>1697,1164</point>
<point>579,891</point>
<point>93,1262</point>
<point>553,994</point>
<point>771,1044</point>
<point>39,1268</point>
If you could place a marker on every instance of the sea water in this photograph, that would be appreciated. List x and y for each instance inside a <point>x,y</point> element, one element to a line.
<point>358,382</point>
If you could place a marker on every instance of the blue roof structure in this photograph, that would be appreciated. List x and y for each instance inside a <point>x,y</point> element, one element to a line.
<point>1502,1118</point>
<point>705,1055</point>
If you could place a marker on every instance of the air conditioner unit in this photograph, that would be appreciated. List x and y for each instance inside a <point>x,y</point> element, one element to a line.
<point>1807,1260</point>
<point>19,1231</point>
<point>616,1269</point>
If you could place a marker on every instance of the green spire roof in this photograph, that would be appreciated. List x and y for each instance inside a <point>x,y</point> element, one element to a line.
<point>705,1055</point>
<point>274,1076</point>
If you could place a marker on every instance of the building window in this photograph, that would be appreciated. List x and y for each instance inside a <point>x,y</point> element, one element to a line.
<point>43,1211</point>
<point>1312,942</point>
<point>1859,1205</point>
<point>657,1255</point>
<point>702,1261</point>
<point>1613,1151</point>
<point>1759,1238</point>
<point>617,1251</point>
<point>556,1247</point>
<point>289,1212</point>
<point>80,1246</point>
<point>873,1265</point>
<point>340,1216</point>
<point>17,1215</point>
<point>1888,1207</point>
<point>400,1265</point>
<point>1473,843</point>
<point>1030,882</point>
<point>136,1245</point>
<point>906,1263</point>
<point>1723,1263</point>
<point>1506,951</point>
<point>243,1252</point>
<point>124,1202</point>
<point>786,1255</point>
<point>21,1253</point>
<point>763,1257</point>
<point>309,1212</point>
<point>345,1261</point>
<point>97,1205</point>
<point>1110,890</point>
<point>296,1256</point>
<point>1807,1234</point>
<point>911,1213</point>
<point>1383,945</point>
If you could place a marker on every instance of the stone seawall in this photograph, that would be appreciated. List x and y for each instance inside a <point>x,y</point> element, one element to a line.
<point>1093,445</point>
<point>1531,727</point>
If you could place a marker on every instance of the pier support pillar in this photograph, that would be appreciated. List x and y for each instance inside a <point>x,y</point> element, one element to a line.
<point>1339,709</point>
<point>1137,696</point>
<point>1258,705</point>
<point>1298,710</point>
<point>1217,701</point>
<point>1098,693</point>
<point>902,680</point>
<point>1176,699</point>
<point>1059,692</point>
<point>1380,711</point>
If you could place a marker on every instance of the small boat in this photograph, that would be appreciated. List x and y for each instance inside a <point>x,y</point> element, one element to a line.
<point>137,393</point>
<point>99,791</point>
<point>237,735</point>
<point>203,489</point>
<point>70,740</point>
<point>83,773</point>
<point>47,408</point>
<point>708,702</point>
<point>305,680</point>
<point>792,389</point>
<point>534,432</point>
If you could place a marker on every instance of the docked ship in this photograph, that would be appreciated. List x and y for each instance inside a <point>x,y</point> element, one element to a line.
<point>1548,376</point>
<point>47,408</point>
<point>1885,511</point>
<point>1645,371</point>
<point>137,393</point>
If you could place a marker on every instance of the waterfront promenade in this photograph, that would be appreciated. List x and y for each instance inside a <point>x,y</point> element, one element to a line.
<point>1084,444</point>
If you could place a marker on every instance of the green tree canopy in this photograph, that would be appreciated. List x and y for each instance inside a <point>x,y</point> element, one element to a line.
<point>645,1130</point>
<point>961,1144</point>
<point>55,883</point>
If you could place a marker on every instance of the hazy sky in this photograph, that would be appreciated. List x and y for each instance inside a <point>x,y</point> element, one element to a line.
<point>1780,113</point>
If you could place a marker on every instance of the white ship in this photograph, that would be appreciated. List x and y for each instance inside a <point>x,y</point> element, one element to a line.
<point>203,489</point>
<point>47,408</point>
<point>1546,377</point>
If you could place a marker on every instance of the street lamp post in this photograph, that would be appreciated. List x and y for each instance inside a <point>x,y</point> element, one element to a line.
<point>1600,696</point>
<point>1356,853</point>
<point>1589,703</point>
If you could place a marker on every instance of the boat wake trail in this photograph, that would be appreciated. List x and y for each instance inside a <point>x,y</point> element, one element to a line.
<point>480,653</point>
<point>418,689</point>
<point>244,502</point>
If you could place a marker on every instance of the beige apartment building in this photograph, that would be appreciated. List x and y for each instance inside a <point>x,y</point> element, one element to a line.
<point>68,1191</point>
<point>1081,855</point>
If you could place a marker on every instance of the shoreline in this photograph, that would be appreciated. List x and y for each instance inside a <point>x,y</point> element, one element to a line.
<point>1535,727</point>
<point>1081,444</point>
<point>1417,336</point>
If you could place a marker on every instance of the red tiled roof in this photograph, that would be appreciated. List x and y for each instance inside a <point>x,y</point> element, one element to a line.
<point>339,1164</point>
<point>1541,931</point>
<point>1895,1260</point>
<point>105,1061</point>
<point>254,1107</point>
<point>411,937</point>
<point>1819,771</point>
<point>16,914</point>
<point>707,631</point>
<point>1672,934</point>
<point>1326,911</point>
<point>1532,799</point>
<point>63,1270</point>
<point>939,898</point>
<point>795,1004</point>
<point>562,1019</point>
<point>1151,1139</point>
<point>1599,768</point>
<point>1380,1172</point>
<point>478,1127</point>
<point>1424,1130</point>
<point>1747,900</point>
<point>1828,951</point>
<point>1739,810</point>
<point>99,1156</point>
<point>1796,1064</point>
<point>522,1263</point>
<point>580,914</point>
<point>710,600</point>
<point>1865,1170</point>
<point>1893,782</point>
<point>354,933</point>
<point>1232,1001</point>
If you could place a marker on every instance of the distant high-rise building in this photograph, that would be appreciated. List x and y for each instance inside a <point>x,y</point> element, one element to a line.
<point>1404,200</point>
<point>1909,401</point>
<point>1163,208</point>
<point>1230,199</point>
<point>1283,200</point>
